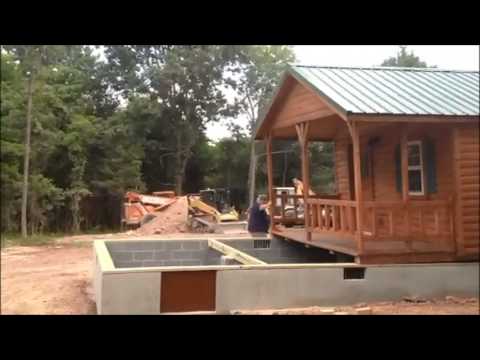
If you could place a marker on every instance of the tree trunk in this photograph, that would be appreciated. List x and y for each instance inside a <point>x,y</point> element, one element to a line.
<point>76,213</point>
<point>178,184</point>
<point>178,166</point>
<point>26,162</point>
<point>252,174</point>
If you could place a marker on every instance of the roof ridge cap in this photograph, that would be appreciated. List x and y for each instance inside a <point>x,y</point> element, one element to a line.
<point>392,68</point>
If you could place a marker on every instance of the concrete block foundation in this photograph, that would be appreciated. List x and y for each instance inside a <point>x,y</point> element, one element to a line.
<point>128,277</point>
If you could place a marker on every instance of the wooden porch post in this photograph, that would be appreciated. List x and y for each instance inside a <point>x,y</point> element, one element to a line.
<point>358,184</point>
<point>302,132</point>
<point>270,179</point>
<point>404,170</point>
<point>404,164</point>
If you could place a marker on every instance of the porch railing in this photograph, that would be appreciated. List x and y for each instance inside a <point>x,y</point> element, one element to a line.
<point>414,222</point>
<point>414,226</point>
<point>337,216</point>
<point>289,209</point>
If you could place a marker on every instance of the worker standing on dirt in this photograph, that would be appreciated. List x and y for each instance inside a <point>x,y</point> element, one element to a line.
<point>258,221</point>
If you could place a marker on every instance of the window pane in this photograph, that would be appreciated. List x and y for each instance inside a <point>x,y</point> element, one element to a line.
<point>413,155</point>
<point>414,181</point>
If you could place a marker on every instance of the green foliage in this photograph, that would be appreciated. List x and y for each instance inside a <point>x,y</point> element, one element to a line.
<point>405,59</point>
<point>261,68</point>
<point>133,122</point>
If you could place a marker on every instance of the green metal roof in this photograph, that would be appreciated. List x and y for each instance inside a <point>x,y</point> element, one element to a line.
<point>394,91</point>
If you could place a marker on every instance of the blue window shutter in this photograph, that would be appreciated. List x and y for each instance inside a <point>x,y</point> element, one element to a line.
<point>430,168</point>
<point>365,163</point>
<point>398,169</point>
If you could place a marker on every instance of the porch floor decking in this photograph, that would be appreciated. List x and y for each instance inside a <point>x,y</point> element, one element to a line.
<point>347,244</point>
<point>329,241</point>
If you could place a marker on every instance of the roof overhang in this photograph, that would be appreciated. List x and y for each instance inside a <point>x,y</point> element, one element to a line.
<point>288,78</point>
<point>386,118</point>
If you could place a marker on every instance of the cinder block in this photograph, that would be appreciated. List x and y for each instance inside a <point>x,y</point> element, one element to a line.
<point>128,264</point>
<point>173,245</point>
<point>172,263</point>
<point>191,245</point>
<point>203,245</point>
<point>186,255</point>
<point>122,256</point>
<point>152,263</point>
<point>143,255</point>
<point>147,245</point>
<point>114,246</point>
<point>162,255</point>
<point>191,262</point>
<point>121,264</point>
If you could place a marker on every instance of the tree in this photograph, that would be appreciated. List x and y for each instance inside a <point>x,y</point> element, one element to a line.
<point>74,141</point>
<point>11,121</point>
<point>405,59</point>
<point>261,68</point>
<point>32,59</point>
<point>183,84</point>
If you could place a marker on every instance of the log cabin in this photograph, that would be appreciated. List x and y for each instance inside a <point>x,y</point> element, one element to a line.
<point>406,155</point>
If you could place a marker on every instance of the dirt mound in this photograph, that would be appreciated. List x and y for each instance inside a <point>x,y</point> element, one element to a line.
<point>172,219</point>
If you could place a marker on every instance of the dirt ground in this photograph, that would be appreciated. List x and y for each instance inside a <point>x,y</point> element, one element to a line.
<point>57,280</point>
<point>447,306</point>
<point>47,280</point>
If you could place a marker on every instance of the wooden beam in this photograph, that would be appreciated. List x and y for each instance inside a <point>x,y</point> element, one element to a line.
<point>314,115</point>
<point>404,162</point>
<point>270,179</point>
<point>404,168</point>
<point>238,255</point>
<point>302,132</point>
<point>458,233</point>
<point>358,185</point>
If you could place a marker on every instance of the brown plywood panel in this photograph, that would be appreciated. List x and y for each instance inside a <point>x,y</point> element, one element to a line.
<point>186,291</point>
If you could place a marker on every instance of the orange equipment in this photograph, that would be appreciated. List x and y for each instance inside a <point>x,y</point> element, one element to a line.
<point>139,209</point>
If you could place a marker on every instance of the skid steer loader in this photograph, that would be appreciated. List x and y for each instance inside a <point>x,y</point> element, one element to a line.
<point>211,211</point>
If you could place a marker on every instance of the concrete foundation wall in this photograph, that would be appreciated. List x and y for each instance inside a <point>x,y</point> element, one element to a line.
<point>283,252</point>
<point>162,253</point>
<point>136,290</point>
<point>130,293</point>
<point>277,288</point>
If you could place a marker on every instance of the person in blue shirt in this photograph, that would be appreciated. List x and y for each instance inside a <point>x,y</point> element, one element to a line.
<point>258,220</point>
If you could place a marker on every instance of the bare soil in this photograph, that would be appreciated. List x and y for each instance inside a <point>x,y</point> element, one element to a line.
<point>57,280</point>
<point>47,280</point>
<point>448,306</point>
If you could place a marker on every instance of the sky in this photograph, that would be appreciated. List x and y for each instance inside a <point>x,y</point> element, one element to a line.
<point>453,57</point>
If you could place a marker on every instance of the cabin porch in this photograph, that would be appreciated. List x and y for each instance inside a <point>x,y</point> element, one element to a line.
<point>395,230</point>
<point>374,216</point>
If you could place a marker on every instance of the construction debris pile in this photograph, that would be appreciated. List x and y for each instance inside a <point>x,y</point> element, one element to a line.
<point>165,213</point>
<point>159,213</point>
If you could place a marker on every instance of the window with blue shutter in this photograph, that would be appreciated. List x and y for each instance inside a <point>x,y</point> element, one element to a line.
<point>422,172</point>
<point>429,160</point>
<point>398,169</point>
<point>365,163</point>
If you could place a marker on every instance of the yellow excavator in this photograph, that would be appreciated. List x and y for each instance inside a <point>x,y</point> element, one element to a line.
<point>211,211</point>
